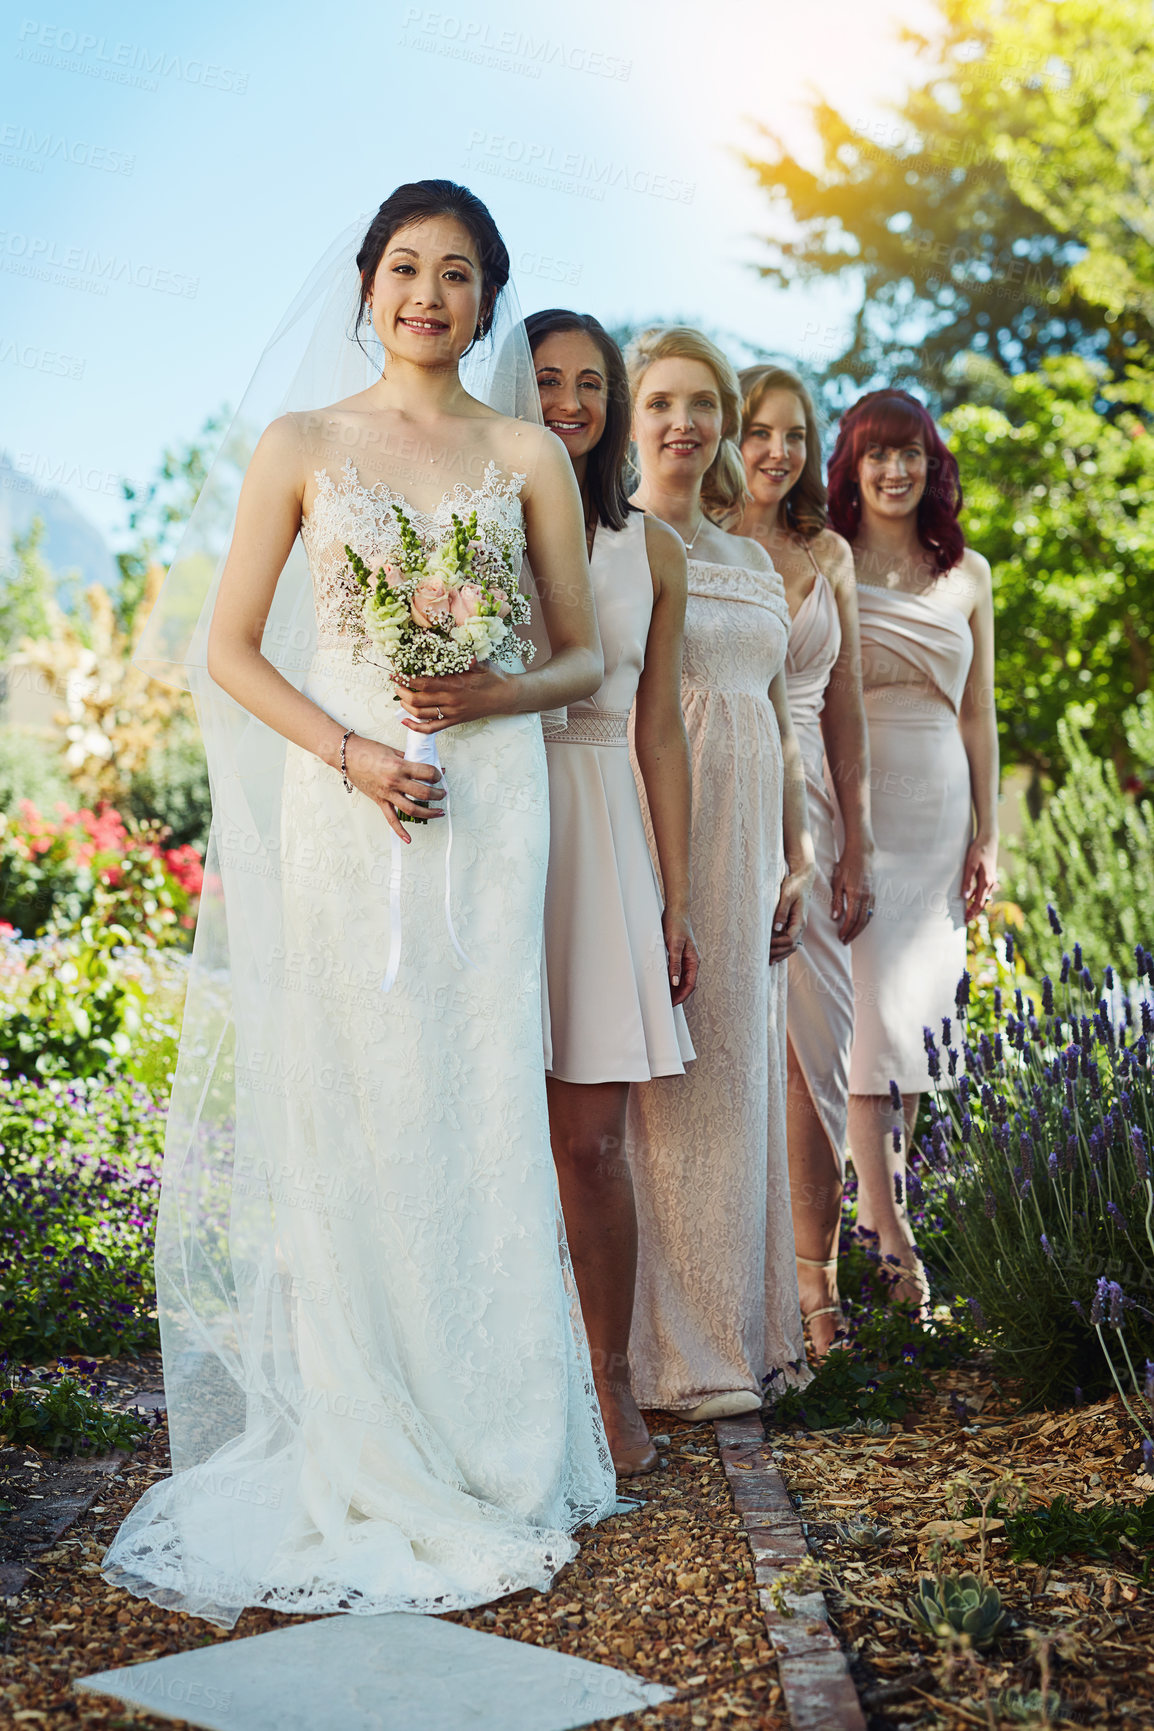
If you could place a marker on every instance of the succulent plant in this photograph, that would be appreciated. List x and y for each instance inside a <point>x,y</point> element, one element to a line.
<point>863,1535</point>
<point>958,1606</point>
<point>1027,1706</point>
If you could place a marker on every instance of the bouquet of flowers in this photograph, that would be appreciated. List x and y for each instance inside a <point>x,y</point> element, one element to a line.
<point>437,612</point>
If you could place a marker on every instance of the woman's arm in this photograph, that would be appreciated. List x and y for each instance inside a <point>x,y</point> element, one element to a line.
<point>663,749</point>
<point>797,885</point>
<point>843,728</point>
<point>978,725</point>
<point>555,542</point>
<point>267,520</point>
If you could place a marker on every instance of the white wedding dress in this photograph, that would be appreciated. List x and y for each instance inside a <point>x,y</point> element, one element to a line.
<point>379,1387</point>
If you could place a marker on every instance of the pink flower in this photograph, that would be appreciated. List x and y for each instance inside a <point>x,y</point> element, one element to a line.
<point>465,602</point>
<point>393,574</point>
<point>430,603</point>
<point>502,600</point>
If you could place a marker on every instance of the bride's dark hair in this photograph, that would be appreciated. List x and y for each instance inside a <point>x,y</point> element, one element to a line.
<point>417,201</point>
<point>605,470</point>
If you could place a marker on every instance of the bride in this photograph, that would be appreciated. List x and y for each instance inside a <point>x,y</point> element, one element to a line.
<point>379,1394</point>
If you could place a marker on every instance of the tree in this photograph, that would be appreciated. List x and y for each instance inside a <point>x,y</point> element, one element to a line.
<point>159,511</point>
<point>27,587</point>
<point>1059,496</point>
<point>978,219</point>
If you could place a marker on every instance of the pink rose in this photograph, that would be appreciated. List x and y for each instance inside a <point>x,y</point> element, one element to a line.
<point>393,574</point>
<point>502,600</point>
<point>430,603</point>
<point>465,602</point>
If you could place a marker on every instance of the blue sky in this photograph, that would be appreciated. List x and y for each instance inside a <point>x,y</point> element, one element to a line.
<point>169,178</point>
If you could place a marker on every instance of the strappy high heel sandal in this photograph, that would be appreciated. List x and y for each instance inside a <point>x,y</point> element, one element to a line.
<point>825,1309</point>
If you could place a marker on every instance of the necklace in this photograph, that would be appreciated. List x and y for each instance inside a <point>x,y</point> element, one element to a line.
<point>696,533</point>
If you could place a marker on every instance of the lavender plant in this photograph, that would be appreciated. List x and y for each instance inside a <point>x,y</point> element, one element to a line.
<point>79,1183</point>
<point>1042,1146</point>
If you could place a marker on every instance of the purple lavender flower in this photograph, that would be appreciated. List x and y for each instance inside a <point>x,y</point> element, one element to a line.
<point>896,1133</point>
<point>967,1127</point>
<point>1065,974</point>
<point>1116,1215</point>
<point>947,1030</point>
<point>991,1205</point>
<point>1055,922</point>
<point>1010,947</point>
<point>1148,1388</point>
<point>1138,1148</point>
<point>1117,1304</point>
<point>1101,1299</point>
<point>997,1000</point>
<point>895,1096</point>
<point>1047,1246</point>
<point>1087,979</point>
<point>1052,1165</point>
<point>1077,958</point>
<point>977,1312</point>
<point>962,995</point>
<point>1108,978</point>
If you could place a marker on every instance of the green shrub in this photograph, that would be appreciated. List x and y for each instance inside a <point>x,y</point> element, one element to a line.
<point>1091,850</point>
<point>1043,1155</point>
<point>29,770</point>
<point>173,789</point>
<point>73,1005</point>
<point>54,871</point>
<point>79,1184</point>
<point>60,1412</point>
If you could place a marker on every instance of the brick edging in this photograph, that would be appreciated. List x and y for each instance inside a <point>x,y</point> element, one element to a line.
<point>812,1668</point>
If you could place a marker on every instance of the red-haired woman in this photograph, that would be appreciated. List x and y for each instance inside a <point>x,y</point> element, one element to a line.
<point>927,637</point>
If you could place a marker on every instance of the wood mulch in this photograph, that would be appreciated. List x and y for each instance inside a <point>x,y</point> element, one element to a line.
<point>1090,1623</point>
<point>666,1591</point>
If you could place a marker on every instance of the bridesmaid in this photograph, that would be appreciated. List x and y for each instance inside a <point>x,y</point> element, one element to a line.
<point>927,634</point>
<point>717,1302</point>
<point>786,514</point>
<point>618,967</point>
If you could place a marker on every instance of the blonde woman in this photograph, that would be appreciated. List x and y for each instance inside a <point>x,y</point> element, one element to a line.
<point>717,1308</point>
<point>786,514</point>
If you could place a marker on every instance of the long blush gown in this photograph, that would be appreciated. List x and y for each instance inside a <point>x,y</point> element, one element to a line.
<point>916,654</point>
<point>717,1302</point>
<point>821,1010</point>
<point>610,1015</point>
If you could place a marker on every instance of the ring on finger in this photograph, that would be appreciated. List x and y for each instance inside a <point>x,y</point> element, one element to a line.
<point>440,717</point>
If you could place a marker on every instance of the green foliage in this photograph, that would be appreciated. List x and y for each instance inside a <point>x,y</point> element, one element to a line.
<point>1042,1154</point>
<point>172,789</point>
<point>30,770</point>
<point>1091,848</point>
<point>1060,499</point>
<point>977,218</point>
<point>79,1182</point>
<point>73,1005</point>
<point>1042,1534</point>
<point>55,871</point>
<point>950,1607</point>
<point>889,1357</point>
<point>27,588</point>
<point>60,1413</point>
<point>158,511</point>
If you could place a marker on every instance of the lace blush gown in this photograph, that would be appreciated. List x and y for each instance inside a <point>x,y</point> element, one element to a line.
<point>717,1305</point>
<point>380,1392</point>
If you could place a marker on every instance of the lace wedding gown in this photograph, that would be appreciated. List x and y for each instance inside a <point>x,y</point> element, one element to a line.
<point>379,1389</point>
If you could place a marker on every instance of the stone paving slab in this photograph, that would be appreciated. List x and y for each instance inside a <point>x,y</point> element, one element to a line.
<point>389,1673</point>
<point>811,1666</point>
<point>89,1477</point>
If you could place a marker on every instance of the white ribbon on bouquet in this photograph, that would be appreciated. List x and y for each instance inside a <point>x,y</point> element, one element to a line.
<point>421,748</point>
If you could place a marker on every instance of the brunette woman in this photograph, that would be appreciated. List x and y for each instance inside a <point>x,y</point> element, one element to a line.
<point>619,965</point>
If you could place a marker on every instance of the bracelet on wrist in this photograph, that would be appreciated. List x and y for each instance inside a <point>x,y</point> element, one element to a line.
<point>344,767</point>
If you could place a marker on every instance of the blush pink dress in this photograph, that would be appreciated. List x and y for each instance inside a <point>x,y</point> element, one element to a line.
<point>610,1015</point>
<point>717,1303</point>
<point>916,654</point>
<point>821,1009</point>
